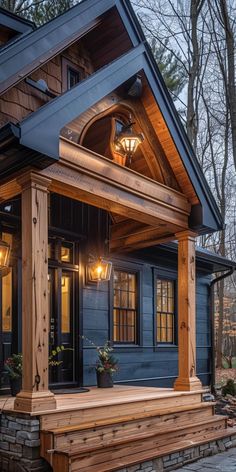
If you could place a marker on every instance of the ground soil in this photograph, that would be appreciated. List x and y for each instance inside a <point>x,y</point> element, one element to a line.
<point>225,405</point>
<point>222,375</point>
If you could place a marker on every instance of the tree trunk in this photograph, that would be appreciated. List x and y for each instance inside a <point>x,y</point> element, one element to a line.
<point>192,126</point>
<point>231,89</point>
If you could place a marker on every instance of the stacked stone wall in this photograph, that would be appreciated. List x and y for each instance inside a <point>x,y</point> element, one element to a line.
<point>20,444</point>
<point>181,458</point>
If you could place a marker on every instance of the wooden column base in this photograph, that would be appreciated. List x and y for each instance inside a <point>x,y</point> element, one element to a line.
<point>187,384</point>
<point>35,402</point>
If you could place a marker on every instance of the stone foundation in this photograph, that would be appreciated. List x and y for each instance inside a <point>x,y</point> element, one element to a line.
<point>19,444</point>
<point>181,458</point>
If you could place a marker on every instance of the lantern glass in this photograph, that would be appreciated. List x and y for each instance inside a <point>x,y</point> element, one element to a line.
<point>99,270</point>
<point>4,254</point>
<point>130,144</point>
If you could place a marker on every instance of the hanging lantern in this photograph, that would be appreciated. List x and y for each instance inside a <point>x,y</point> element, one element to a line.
<point>99,270</point>
<point>128,141</point>
<point>4,256</point>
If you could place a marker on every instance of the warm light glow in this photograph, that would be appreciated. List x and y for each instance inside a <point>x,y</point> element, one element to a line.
<point>130,144</point>
<point>128,141</point>
<point>4,254</point>
<point>99,270</point>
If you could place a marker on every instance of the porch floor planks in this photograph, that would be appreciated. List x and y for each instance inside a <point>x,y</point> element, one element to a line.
<point>147,398</point>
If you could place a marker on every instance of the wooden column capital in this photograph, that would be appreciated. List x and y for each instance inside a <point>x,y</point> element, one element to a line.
<point>186,235</point>
<point>31,178</point>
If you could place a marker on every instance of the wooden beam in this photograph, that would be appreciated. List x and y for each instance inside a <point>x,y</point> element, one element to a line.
<point>34,395</point>
<point>187,379</point>
<point>9,190</point>
<point>94,179</point>
<point>131,235</point>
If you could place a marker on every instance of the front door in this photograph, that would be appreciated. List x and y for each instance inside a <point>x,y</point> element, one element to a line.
<point>63,302</point>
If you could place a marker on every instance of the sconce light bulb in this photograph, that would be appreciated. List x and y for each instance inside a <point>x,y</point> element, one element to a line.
<point>99,270</point>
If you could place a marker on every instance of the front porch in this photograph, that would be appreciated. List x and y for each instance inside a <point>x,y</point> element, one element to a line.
<point>109,429</point>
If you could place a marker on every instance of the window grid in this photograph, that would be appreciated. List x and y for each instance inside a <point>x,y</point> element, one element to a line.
<point>124,307</point>
<point>73,77</point>
<point>165,311</point>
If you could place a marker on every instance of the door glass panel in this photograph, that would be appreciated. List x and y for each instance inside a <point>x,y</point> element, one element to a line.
<point>66,253</point>
<point>7,302</point>
<point>65,303</point>
<point>7,293</point>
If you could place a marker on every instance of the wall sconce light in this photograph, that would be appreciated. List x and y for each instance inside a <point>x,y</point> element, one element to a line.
<point>99,270</point>
<point>4,257</point>
<point>128,140</point>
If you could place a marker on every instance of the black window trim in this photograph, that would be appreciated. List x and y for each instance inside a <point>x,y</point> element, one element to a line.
<point>68,64</point>
<point>171,275</point>
<point>136,269</point>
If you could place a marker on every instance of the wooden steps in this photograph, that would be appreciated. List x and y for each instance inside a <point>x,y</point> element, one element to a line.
<point>105,431</point>
<point>97,444</point>
<point>97,458</point>
<point>64,462</point>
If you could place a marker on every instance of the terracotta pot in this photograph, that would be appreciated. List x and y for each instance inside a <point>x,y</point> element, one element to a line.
<point>104,380</point>
<point>15,385</point>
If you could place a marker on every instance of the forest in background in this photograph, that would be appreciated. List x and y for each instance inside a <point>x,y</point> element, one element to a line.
<point>193,42</point>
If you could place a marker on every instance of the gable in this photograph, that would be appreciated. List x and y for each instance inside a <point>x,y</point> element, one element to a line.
<point>12,26</point>
<point>41,130</point>
<point>37,48</point>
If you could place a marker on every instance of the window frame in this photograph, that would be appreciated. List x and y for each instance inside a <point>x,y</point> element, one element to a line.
<point>66,65</point>
<point>135,269</point>
<point>159,274</point>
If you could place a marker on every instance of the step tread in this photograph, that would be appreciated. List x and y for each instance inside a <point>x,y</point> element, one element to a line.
<point>128,418</point>
<point>73,451</point>
<point>133,459</point>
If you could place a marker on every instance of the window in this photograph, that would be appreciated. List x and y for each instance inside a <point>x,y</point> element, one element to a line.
<point>165,311</point>
<point>124,307</point>
<point>73,77</point>
<point>71,74</point>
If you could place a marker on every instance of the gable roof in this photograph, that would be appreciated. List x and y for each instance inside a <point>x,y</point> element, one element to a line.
<point>41,130</point>
<point>31,52</point>
<point>14,22</point>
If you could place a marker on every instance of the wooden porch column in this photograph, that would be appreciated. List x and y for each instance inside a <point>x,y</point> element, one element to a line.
<point>35,395</point>
<point>187,379</point>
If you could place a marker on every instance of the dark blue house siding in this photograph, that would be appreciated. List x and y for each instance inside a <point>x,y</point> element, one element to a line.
<point>146,364</point>
<point>203,328</point>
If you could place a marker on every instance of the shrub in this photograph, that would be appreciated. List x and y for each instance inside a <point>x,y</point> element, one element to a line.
<point>229,388</point>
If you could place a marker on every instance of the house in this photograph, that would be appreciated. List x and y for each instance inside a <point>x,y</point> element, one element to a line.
<point>94,163</point>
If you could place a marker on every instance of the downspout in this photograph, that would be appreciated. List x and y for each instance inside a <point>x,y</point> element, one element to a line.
<point>212,286</point>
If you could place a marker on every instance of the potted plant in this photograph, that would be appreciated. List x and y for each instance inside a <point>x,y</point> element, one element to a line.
<point>13,367</point>
<point>106,365</point>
